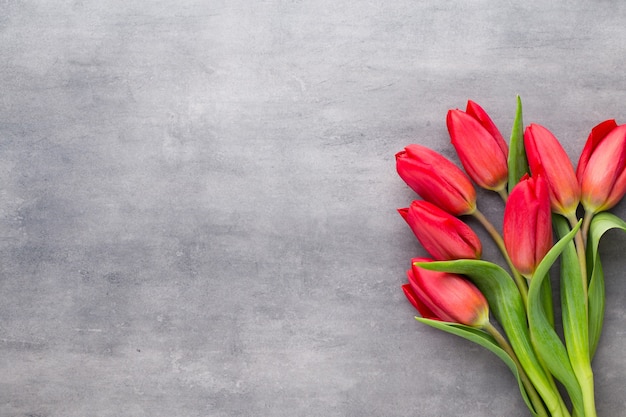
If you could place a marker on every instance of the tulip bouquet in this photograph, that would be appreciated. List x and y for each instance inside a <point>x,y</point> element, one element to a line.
<point>551,212</point>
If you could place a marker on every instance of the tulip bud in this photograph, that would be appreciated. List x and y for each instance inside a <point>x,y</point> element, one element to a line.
<point>546,156</point>
<point>444,236</point>
<point>436,179</point>
<point>480,146</point>
<point>527,230</point>
<point>445,296</point>
<point>601,169</point>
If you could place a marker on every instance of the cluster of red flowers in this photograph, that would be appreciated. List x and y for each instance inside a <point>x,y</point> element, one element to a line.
<point>598,183</point>
<point>541,191</point>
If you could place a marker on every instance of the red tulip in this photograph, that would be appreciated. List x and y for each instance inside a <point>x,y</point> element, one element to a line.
<point>414,299</point>
<point>436,179</point>
<point>546,156</point>
<point>444,236</point>
<point>445,296</point>
<point>480,146</point>
<point>527,230</point>
<point>601,169</point>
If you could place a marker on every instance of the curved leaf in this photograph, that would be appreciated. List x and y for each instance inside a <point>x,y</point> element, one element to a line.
<point>596,294</point>
<point>485,340</point>
<point>574,314</point>
<point>545,339</point>
<point>547,301</point>
<point>506,305</point>
<point>600,224</point>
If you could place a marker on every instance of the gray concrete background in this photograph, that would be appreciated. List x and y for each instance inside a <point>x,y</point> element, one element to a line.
<point>197,199</point>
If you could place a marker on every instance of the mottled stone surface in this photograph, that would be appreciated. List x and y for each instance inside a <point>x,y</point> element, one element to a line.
<point>197,199</point>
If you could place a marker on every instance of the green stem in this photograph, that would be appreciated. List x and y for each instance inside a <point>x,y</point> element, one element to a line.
<point>540,409</point>
<point>582,258</point>
<point>584,375</point>
<point>585,226</point>
<point>495,235</point>
<point>503,194</point>
<point>563,407</point>
<point>581,363</point>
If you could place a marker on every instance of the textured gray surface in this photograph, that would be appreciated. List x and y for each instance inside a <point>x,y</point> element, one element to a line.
<point>197,199</point>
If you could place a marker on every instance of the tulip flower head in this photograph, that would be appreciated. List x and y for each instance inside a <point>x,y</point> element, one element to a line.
<point>416,302</point>
<point>601,169</point>
<point>436,179</point>
<point>480,146</point>
<point>445,296</point>
<point>527,230</point>
<point>547,157</point>
<point>444,236</point>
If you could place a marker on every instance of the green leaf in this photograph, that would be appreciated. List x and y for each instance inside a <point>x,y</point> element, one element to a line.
<point>547,301</point>
<point>545,339</point>
<point>574,314</point>
<point>507,307</point>
<point>485,340</point>
<point>518,163</point>
<point>496,285</point>
<point>600,224</point>
<point>596,294</point>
